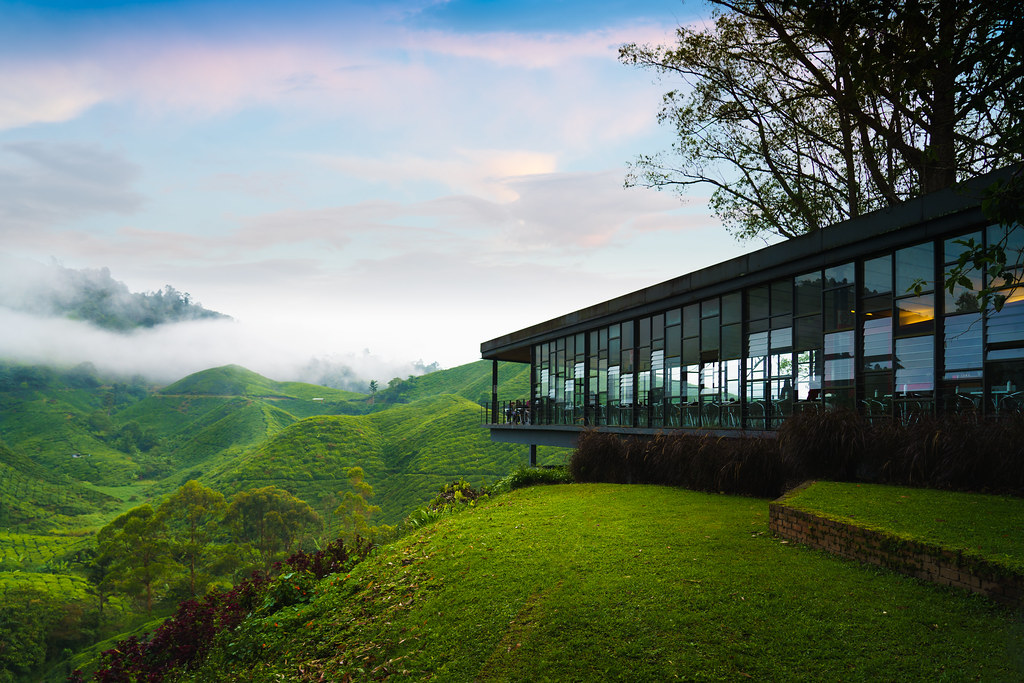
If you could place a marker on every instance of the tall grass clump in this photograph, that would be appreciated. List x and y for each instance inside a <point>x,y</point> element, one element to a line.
<point>957,452</point>
<point>824,444</point>
<point>701,462</point>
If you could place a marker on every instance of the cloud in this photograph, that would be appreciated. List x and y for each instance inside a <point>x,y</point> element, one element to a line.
<point>480,172</point>
<point>47,92</point>
<point>43,184</point>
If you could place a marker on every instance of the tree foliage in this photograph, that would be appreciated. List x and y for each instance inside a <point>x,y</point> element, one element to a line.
<point>139,551</point>
<point>271,520</point>
<point>355,510</point>
<point>799,114</point>
<point>193,514</point>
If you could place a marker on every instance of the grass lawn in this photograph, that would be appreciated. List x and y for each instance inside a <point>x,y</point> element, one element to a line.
<point>975,524</point>
<point>606,582</point>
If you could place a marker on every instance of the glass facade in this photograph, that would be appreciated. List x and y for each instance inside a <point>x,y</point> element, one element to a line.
<point>880,334</point>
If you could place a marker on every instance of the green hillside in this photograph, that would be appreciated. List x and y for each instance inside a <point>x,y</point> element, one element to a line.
<point>471,381</point>
<point>80,449</point>
<point>33,498</point>
<point>407,452</point>
<point>234,380</point>
<point>616,583</point>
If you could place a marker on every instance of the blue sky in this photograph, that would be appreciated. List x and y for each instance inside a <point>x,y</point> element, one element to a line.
<point>373,182</point>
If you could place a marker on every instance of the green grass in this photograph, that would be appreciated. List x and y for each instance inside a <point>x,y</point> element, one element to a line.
<point>605,582</point>
<point>975,524</point>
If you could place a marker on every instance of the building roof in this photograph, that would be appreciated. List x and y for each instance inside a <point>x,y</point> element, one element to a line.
<point>912,221</point>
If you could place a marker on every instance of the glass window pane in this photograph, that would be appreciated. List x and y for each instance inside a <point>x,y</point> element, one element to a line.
<point>732,341</point>
<point>837,276</point>
<point>808,375</point>
<point>839,357</point>
<point>627,335</point>
<point>877,276</point>
<point>916,314</point>
<point>963,299</point>
<point>782,297</point>
<point>709,334</point>
<point>732,309</point>
<point>757,344</point>
<point>757,302</point>
<point>1010,238</point>
<point>709,308</point>
<point>914,364</point>
<point>691,351</point>
<point>1007,325</point>
<point>645,332</point>
<point>782,339</point>
<point>953,247</point>
<point>808,333</point>
<point>673,344</point>
<point>674,317</point>
<point>808,293</point>
<point>915,265</point>
<point>839,308</point>
<point>962,343</point>
<point>691,320</point>
<point>878,343</point>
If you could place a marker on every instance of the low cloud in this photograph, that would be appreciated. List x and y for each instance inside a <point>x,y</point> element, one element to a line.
<point>167,353</point>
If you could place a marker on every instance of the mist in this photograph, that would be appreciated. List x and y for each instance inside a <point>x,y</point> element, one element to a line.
<point>35,329</point>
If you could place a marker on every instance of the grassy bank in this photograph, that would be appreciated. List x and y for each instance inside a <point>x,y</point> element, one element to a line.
<point>974,524</point>
<point>611,582</point>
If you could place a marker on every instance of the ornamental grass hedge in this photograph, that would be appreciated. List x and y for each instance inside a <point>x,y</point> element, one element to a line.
<point>956,452</point>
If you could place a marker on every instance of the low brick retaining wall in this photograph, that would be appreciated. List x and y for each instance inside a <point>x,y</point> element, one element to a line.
<point>913,558</point>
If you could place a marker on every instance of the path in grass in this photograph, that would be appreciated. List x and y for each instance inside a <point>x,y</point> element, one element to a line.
<point>604,582</point>
<point>979,525</point>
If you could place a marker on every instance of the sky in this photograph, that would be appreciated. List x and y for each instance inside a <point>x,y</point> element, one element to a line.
<point>372,183</point>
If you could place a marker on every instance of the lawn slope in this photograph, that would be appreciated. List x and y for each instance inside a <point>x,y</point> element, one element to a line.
<point>605,582</point>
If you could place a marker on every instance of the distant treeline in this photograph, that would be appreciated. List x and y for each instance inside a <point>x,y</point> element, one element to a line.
<point>94,296</point>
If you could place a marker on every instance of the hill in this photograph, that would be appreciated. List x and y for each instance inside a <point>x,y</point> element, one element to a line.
<point>606,582</point>
<point>33,498</point>
<point>234,428</point>
<point>407,452</point>
<point>471,381</point>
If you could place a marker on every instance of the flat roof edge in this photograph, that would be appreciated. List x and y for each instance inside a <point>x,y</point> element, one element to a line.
<point>810,250</point>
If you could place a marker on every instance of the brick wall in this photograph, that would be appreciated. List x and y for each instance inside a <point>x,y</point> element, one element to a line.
<point>913,558</point>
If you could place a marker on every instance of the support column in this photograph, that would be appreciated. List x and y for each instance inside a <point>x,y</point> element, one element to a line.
<point>533,455</point>
<point>494,392</point>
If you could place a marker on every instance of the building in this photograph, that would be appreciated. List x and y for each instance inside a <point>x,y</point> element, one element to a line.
<point>855,316</point>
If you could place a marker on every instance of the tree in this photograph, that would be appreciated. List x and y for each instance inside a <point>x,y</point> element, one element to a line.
<point>192,513</point>
<point>373,390</point>
<point>270,520</point>
<point>355,509</point>
<point>139,552</point>
<point>799,114</point>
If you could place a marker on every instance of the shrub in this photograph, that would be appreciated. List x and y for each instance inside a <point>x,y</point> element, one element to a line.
<point>702,462</point>
<point>826,444</point>
<point>531,476</point>
<point>599,457</point>
<point>183,639</point>
<point>958,452</point>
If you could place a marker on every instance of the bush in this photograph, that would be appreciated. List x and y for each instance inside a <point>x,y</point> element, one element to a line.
<point>183,639</point>
<point>950,452</point>
<point>698,461</point>
<point>532,476</point>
